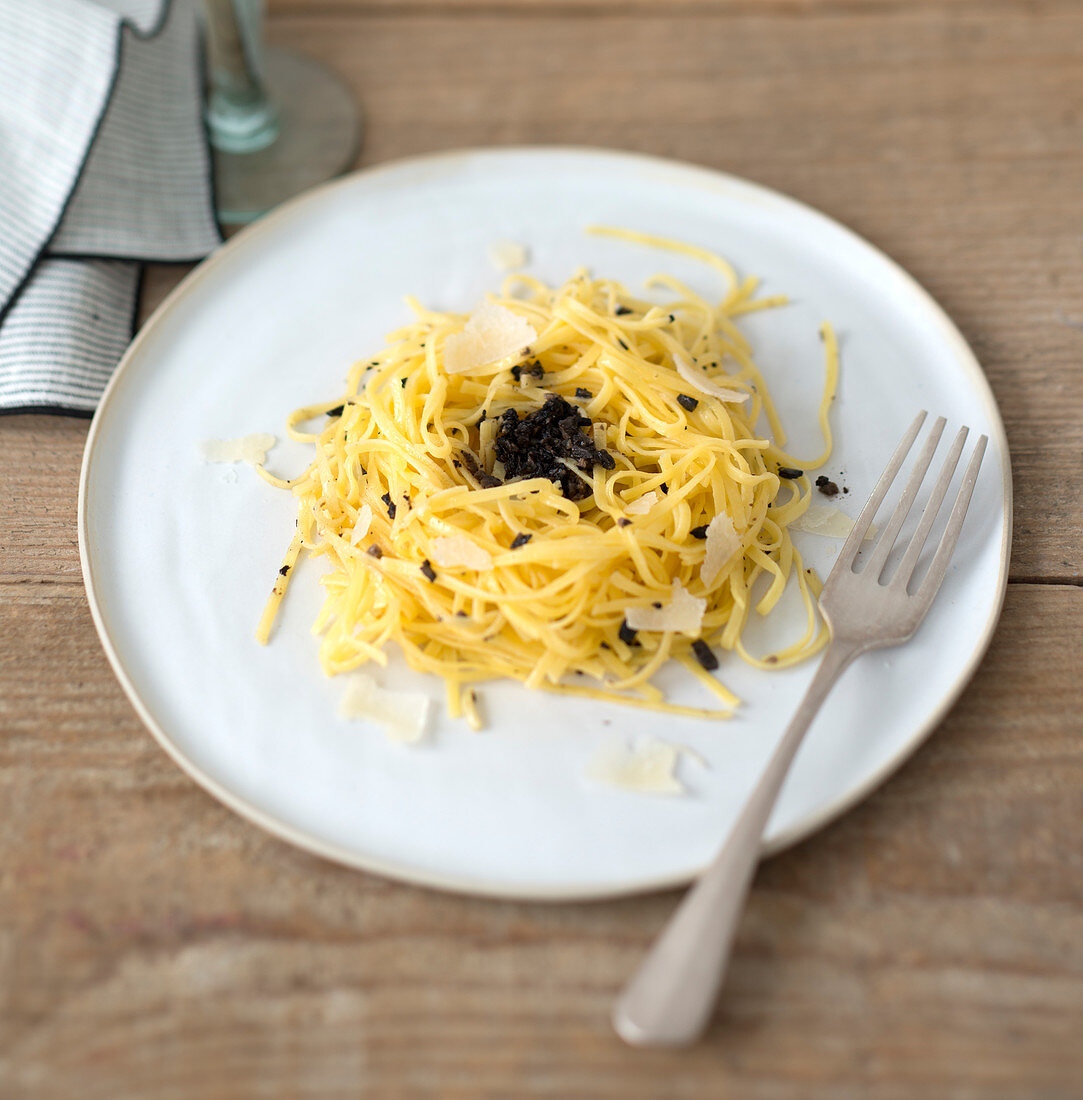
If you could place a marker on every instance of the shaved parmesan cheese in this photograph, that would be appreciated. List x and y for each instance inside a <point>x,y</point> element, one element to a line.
<point>491,334</point>
<point>647,768</point>
<point>827,520</point>
<point>403,714</point>
<point>362,524</point>
<point>507,255</point>
<point>682,615</point>
<point>698,380</point>
<point>450,550</point>
<point>722,543</point>
<point>249,448</point>
<point>642,505</point>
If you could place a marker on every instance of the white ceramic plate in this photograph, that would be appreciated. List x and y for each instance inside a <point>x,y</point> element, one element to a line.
<point>178,555</point>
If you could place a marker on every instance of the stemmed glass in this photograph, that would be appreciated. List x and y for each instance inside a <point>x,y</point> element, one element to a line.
<point>278,122</point>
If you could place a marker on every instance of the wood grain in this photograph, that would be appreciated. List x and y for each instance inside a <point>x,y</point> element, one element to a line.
<point>156,945</point>
<point>928,944</point>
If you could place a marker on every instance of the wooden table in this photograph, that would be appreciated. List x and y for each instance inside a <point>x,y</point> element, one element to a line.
<point>928,944</point>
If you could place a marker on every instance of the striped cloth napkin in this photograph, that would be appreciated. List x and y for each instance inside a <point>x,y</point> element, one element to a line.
<point>103,165</point>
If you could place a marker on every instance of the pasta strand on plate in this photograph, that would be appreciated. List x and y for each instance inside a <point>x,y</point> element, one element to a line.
<point>566,485</point>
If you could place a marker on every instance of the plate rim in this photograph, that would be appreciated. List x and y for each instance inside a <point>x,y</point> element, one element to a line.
<point>480,886</point>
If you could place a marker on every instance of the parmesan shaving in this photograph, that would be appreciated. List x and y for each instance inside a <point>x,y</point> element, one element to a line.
<point>249,448</point>
<point>682,615</point>
<point>698,380</point>
<point>403,714</point>
<point>722,543</point>
<point>646,768</point>
<point>362,524</point>
<point>508,255</point>
<point>492,333</point>
<point>827,520</point>
<point>642,505</point>
<point>452,550</point>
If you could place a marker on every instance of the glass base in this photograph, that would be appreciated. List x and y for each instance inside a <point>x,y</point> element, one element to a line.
<point>319,136</point>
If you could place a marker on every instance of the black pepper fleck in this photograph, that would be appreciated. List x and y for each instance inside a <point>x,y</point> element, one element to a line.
<point>704,655</point>
<point>624,521</point>
<point>386,498</point>
<point>375,551</point>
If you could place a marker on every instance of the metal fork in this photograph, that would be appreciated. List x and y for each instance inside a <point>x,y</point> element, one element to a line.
<point>669,1000</point>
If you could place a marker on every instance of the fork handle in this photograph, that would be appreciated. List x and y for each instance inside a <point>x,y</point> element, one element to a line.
<point>671,996</point>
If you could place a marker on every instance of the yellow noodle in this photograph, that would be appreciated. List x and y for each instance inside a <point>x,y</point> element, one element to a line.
<point>414,443</point>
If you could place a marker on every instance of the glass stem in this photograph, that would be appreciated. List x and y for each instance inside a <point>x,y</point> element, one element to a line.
<point>240,117</point>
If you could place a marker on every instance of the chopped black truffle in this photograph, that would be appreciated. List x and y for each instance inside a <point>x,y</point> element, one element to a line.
<point>336,411</point>
<point>386,498</point>
<point>704,655</point>
<point>624,521</point>
<point>790,472</point>
<point>687,402</point>
<point>485,480</point>
<point>582,392</point>
<point>533,369</point>
<point>626,634</point>
<point>375,551</point>
<point>699,532</point>
<point>284,570</point>
<point>519,540</point>
<point>427,569</point>
<point>620,311</point>
<point>827,486</point>
<point>534,446</point>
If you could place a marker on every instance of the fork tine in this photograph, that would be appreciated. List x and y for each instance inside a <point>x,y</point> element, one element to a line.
<point>853,541</point>
<point>906,501</point>
<point>939,565</point>
<point>932,510</point>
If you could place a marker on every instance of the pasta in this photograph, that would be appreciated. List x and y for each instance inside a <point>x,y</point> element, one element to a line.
<point>518,515</point>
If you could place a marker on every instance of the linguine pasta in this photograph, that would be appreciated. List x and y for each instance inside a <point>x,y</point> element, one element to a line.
<point>517,517</point>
